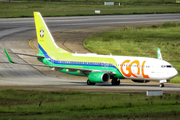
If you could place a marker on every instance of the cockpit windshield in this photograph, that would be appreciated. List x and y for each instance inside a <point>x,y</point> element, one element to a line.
<point>166,66</point>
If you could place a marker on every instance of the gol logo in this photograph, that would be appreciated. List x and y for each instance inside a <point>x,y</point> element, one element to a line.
<point>128,68</point>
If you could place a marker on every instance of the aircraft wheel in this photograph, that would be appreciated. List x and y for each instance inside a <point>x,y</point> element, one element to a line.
<point>161,85</point>
<point>115,81</point>
<point>90,83</point>
<point>118,82</point>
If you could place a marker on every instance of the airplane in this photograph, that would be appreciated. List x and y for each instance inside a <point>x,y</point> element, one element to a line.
<point>98,68</point>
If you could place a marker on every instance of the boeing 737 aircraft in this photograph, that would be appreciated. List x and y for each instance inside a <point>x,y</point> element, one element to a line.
<point>98,68</point>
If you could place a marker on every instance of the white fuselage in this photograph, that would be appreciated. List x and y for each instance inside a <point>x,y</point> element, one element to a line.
<point>140,68</point>
<point>144,68</point>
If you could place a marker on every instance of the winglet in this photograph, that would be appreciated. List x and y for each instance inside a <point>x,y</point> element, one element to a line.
<point>8,56</point>
<point>159,54</point>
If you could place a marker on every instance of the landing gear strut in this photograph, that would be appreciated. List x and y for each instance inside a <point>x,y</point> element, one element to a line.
<point>161,85</point>
<point>90,83</point>
<point>115,81</point>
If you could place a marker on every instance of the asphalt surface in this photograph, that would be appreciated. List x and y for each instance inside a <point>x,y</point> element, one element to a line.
<point>69,32</point>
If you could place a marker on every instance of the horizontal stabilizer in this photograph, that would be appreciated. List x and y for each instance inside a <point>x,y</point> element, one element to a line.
<point>39,56</point>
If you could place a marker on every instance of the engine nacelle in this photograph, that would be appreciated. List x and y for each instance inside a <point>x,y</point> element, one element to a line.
<point>141,81</point>
<point>99,77</point>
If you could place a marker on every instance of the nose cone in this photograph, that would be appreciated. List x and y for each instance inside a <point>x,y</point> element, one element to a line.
<point>173,73</point>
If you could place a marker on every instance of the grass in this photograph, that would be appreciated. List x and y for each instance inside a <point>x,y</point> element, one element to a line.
<point>20,104</point>
<point>142,41</point>
<point>86,7</point>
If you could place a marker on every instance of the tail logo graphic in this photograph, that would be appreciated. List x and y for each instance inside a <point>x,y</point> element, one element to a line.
<point>41,33</point>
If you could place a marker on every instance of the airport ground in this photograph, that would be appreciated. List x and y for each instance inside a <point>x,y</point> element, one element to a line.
<point>70,39</point>
<point>86,7</point>
<point>17,35</point>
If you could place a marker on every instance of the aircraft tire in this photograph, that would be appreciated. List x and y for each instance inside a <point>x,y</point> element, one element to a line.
<point>161,85</point>
<point>90,83</point>
<point>115,81</point>
<point>118,82</point>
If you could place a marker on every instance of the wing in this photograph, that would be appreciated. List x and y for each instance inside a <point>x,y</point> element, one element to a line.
<point>85,71</point>
<point>39,56</point>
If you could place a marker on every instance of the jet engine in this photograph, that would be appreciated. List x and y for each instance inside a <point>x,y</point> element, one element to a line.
<point>99,77</point>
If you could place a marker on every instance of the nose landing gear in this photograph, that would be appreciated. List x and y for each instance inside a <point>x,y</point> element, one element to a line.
<point>161,85</point>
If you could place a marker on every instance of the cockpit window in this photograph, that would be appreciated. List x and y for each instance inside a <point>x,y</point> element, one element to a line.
<point>166,66</point>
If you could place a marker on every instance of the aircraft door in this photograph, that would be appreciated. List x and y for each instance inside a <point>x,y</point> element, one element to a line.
<point>153,72</point>
<point>165,71</point>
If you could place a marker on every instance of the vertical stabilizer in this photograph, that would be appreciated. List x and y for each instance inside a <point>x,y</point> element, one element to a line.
<point>46,42</point>
<point>159,54</point>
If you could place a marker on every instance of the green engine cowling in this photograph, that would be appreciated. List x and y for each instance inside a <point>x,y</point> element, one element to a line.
<point>99,77</point>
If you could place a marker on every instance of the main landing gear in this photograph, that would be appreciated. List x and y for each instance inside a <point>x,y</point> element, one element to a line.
<point>115,81</point>
<point>90,83</point>
<point>161,85</point>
